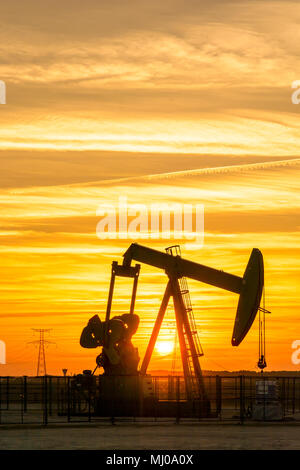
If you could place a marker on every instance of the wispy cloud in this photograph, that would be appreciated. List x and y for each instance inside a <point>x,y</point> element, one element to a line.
<point>136,79</point>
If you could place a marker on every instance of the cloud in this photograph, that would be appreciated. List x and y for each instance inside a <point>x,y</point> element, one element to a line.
<point>135,78</point>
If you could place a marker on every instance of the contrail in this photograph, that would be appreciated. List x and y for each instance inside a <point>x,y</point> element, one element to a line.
<point>200,171</point>
<point>227,169</point>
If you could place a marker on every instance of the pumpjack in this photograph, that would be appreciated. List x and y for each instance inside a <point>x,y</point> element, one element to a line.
<point>119,358</point>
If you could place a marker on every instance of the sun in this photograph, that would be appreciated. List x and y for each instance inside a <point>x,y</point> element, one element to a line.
<point>164,347</point>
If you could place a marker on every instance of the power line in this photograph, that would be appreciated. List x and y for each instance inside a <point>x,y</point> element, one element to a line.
<point>41,362</point>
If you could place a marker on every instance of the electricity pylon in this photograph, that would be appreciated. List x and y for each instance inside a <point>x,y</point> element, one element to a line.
<point>41,363</point>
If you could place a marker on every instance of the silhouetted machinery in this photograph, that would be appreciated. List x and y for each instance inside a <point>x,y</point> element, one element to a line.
<point>119,358</point>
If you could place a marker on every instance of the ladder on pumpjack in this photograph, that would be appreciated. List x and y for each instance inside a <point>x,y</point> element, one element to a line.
<point>185,294</point>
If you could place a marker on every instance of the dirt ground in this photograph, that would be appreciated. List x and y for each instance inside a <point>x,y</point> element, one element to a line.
<point>155,436</point>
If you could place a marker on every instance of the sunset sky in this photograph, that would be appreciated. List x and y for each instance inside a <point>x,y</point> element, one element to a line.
<point>174,101</point>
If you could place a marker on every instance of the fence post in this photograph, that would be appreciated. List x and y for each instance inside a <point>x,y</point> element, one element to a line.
<point>25,394</point>
<point>45,400</point>
<point>136,401</point>
<point>155,400</point>
<point>294,395</point>
<point>22,408</point>
<point>283,396</point>
<point>50,396</point>
<point>141,396</point>
<point>89,404</point>
<point>235,393</point>
<point>57,395</point>
<point>7,392</point>
<point>264,398</point>
<point>112,380</point>
<point>242,391</point>
<point>251,394</point>
<point>68,399</point>
<point>178,400</point>
<point>288,394</point>
<point>218,395</point>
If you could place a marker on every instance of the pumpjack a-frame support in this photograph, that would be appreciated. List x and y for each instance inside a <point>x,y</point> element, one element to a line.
<point>194,385</point>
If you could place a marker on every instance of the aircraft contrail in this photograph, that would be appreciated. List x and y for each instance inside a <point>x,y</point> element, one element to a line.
<point>226,169</point>
<point>200,171</point>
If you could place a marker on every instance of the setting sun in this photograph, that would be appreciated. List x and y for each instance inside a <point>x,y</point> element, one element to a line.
<point>164,347</point>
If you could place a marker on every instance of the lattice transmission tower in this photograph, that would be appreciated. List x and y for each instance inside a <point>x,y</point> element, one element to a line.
<point>41,362</point>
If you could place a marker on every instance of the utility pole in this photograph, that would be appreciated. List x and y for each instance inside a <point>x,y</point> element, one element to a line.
<point>41,362</point>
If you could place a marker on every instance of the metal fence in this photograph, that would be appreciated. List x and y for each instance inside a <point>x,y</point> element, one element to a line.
<point>52,399</point>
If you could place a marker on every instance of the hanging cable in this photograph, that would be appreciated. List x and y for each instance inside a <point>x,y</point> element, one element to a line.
<point>262,335</point>
<point>174,358</point>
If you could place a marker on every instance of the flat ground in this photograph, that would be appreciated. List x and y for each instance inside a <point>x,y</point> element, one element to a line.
<point>154,436</point>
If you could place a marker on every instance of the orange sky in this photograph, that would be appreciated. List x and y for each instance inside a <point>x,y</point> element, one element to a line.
<point>99,97</point>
